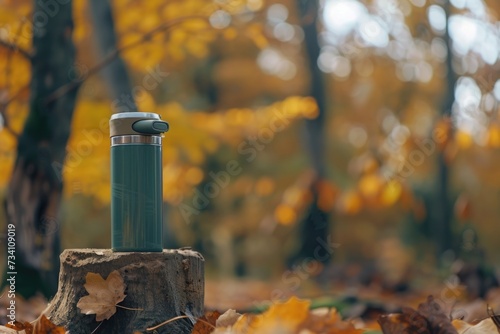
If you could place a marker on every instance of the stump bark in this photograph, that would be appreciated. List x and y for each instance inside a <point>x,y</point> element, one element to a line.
<point>163,285</point>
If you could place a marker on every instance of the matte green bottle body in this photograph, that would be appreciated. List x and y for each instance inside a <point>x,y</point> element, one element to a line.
<point>137,199</point>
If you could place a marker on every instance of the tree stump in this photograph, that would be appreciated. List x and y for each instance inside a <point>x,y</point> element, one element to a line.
<point>164,285</point>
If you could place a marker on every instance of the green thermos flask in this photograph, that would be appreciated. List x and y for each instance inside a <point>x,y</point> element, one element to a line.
<point>136,181</point>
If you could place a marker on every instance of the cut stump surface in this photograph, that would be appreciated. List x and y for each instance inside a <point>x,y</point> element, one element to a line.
<point>163,285</point>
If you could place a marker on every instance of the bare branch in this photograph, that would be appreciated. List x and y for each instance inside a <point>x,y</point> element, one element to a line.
<point>14,47</point>
<point>112,55</point>
<point>3,111</point>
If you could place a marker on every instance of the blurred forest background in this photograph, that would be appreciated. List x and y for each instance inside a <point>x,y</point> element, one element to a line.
<point>370,124</point>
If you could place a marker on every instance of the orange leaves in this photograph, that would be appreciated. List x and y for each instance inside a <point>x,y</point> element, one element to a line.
<point>289,314</point>
<point>195,135</point>
<point>373,192</point>
<point>463,208</point>
<point>18,326</point>
<point>291,317</point>
<point>370,185</point>
<point>350,202</point>
<point>41,326</point>
<point>445,135</point>
<point>103,295</point>
<point>494,136</point>
<point>206,324</point>
<point>256,33</point>
<point>327,195</point>
<point>182,27</point>
<point>265,186</point>
<point>486,326</point>
<point>391,193</point>
<point>283,317</point>
<point>463,139</point>
<point>285,215</point>
<point>45,326</point>
<point>428,319</point>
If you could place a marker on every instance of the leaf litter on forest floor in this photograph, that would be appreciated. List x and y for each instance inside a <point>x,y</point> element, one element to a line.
<point>486,326</point>
<point>295,317</point>
<point>41,326</point>
<point>291,317</point>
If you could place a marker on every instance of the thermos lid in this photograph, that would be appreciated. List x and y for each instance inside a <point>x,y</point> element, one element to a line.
<point>136,123</point>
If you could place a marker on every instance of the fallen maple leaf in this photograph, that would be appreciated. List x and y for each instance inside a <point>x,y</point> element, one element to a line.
<point>290,317</point>
<point>44,326</point>
<point>227,319</point>
<point>283,317</point>
<point>439,322</point>
<point>410,321</point>
<point>327,320</point>
<point>487,326</point>
<point>18,327</point>
<point>495,318</point>
<point>103,295</point>
<point>428,319</point>
<point>206,324</point>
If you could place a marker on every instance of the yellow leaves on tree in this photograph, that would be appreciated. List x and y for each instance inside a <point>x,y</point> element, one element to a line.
<point>180,28</point>
<point>256,33</point>
<point>103,295</point>
<point>350,202</point>
<point>370,185</point>
<point>463,139</point>
<point>391,193</point>
<point>494,136</point>
<point>373,192</point>
<point>285,214</point>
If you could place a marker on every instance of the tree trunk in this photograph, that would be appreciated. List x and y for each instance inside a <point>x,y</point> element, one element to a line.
<point>34,191</point>
<point>443,209</point>
<point>162,285</point>
<point>316,224</point>
<point>115,73</point>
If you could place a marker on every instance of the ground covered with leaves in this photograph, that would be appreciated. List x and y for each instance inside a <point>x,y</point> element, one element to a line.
<point>330,314</point>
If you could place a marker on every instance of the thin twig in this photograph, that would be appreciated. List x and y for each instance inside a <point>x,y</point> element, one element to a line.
<point>97,327</point>
<point>8,67</point>
<point>61,91</point>
<point>178,318</point>
<point>3,111</point>
<point>130,309</point>
<point>8,74</point>
<point>14,47</point>
<point>167,322</point>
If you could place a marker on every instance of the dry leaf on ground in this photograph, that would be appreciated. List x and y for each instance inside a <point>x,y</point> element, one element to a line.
<point>103,295</point>
<point>283,317</point>
<point>228,318</point>
<point>19,326</point>
<point>487,326</point>
<point>438,321</point>
<point>428,319</point>
<point>290,317</point>
<point>206,324</point>
<point>410,321</point>
<point>44,326</point>
<point>327,320</point>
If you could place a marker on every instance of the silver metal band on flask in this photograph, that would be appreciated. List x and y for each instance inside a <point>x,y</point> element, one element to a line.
<point>135,139</point>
